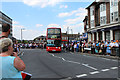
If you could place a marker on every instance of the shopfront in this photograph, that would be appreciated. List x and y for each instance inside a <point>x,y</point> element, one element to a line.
<point>107,35</point>
<point>116,34</point>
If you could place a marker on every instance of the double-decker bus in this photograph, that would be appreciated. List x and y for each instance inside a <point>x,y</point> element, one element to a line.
<point>53,39</point>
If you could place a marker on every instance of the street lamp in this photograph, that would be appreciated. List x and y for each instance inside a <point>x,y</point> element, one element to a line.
<point>21,33</point>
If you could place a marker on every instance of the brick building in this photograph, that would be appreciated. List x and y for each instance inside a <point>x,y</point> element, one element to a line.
<point>103,21</point>
<point>71,36</point>
<point>5,19</point>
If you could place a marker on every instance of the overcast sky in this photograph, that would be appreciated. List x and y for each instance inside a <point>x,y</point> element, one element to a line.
<point>35,16</point>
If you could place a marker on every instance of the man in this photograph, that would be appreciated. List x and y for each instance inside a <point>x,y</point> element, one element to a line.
<point>5,31</point>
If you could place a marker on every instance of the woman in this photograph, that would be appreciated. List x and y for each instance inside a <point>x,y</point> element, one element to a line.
<point>11,65</point>
<point>108,51</point>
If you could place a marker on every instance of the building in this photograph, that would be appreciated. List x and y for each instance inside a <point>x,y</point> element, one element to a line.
<point>40,39</point>
<point>71,36</point>
<point>103,21</point>
<point>5,19</point>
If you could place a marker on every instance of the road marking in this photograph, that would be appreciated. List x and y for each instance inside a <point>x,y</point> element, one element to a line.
<point>75,62</point>
<point>105,70</point>
<point>114,60</point>
<point>72,62</point>
<point>113,67</point>
<point>71,53</point>
<point>94,72</point>
<point>66,78</point>
<point>89,66</point>
<point>63,59</point>
<point>78,76</point>
<point>105,58</point>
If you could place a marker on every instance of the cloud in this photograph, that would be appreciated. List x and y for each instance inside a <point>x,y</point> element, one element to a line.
<point>63,6</point>
<point>79,16</point>
<point>41,3</point>
<point>39,25</point>
<point>27,34</point>
<point>15,22</point>
<point>66,14</point>
<point>53,25</point>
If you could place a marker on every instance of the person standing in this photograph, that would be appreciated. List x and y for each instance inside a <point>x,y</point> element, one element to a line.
<point>5,31</point>
<point>117,48</point>
<point>75,46</point>
<point>108,51</point>
<point>11,65</point>
<point>112,45</point>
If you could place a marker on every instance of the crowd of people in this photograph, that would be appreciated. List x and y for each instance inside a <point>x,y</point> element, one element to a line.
<point>32,45</point>
<point>99,47</point>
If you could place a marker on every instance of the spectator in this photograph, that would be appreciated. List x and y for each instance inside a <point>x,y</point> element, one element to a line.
<point>117,48</point>
<point>11,65</point>
<point>112,45</point>
<point>108,51</point>
<point>75,46</point>
<point>5,31</point>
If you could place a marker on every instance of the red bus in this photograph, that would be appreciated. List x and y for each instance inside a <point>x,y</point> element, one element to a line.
<point>53,39</point>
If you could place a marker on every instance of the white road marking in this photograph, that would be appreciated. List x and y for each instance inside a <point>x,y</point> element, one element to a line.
<point>75,62</point>
<point>113,67</point>
<point>105,58</point>
<point>63,59</point>
<point>105,69</point>
<point>72,62</point>
<point>78,76</point>
<point>66,78</point>
<point>89,66</point>
<point>115,60</point>
<point>94,72</point>
<point>71,53</point>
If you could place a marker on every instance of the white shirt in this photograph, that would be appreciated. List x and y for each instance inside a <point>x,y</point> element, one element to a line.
<point>75,46</point>
<point>112,44</point>
<point>116,44</point>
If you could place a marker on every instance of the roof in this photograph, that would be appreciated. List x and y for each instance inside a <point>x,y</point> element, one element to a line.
<point>5,15</point>
<point>93,3</point>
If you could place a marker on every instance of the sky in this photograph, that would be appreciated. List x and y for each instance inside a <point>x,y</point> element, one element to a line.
<point>35,16</point>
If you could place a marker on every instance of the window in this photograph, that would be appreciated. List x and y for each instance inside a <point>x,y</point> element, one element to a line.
<point>111,17</point>
<point>114,16</point>
<point>92,24</point>
<point>103,20</point>
<point>114,2</point>
<point>102,7</point>
<point>92,11</point>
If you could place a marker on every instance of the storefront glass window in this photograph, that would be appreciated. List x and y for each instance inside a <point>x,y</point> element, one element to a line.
<point>117,35</point>
<point>108,36</point>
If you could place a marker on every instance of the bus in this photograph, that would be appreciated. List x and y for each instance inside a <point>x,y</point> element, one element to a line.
<point>53,39</point>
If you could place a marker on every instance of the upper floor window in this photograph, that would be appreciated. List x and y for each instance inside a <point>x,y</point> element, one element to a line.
<point>102,7</point>
<point>114,17</point>
<point>114,2</point>
<point>103,20</point>
<point>92,11</point>
<point>92,24</point>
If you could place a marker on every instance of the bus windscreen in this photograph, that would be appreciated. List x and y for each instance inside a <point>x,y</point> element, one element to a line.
<point>53,43</point>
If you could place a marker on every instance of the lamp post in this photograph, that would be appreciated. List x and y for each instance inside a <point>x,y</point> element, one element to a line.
<point>21,33</point>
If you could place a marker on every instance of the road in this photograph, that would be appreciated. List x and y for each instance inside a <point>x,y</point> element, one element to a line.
<point>68,65</point>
